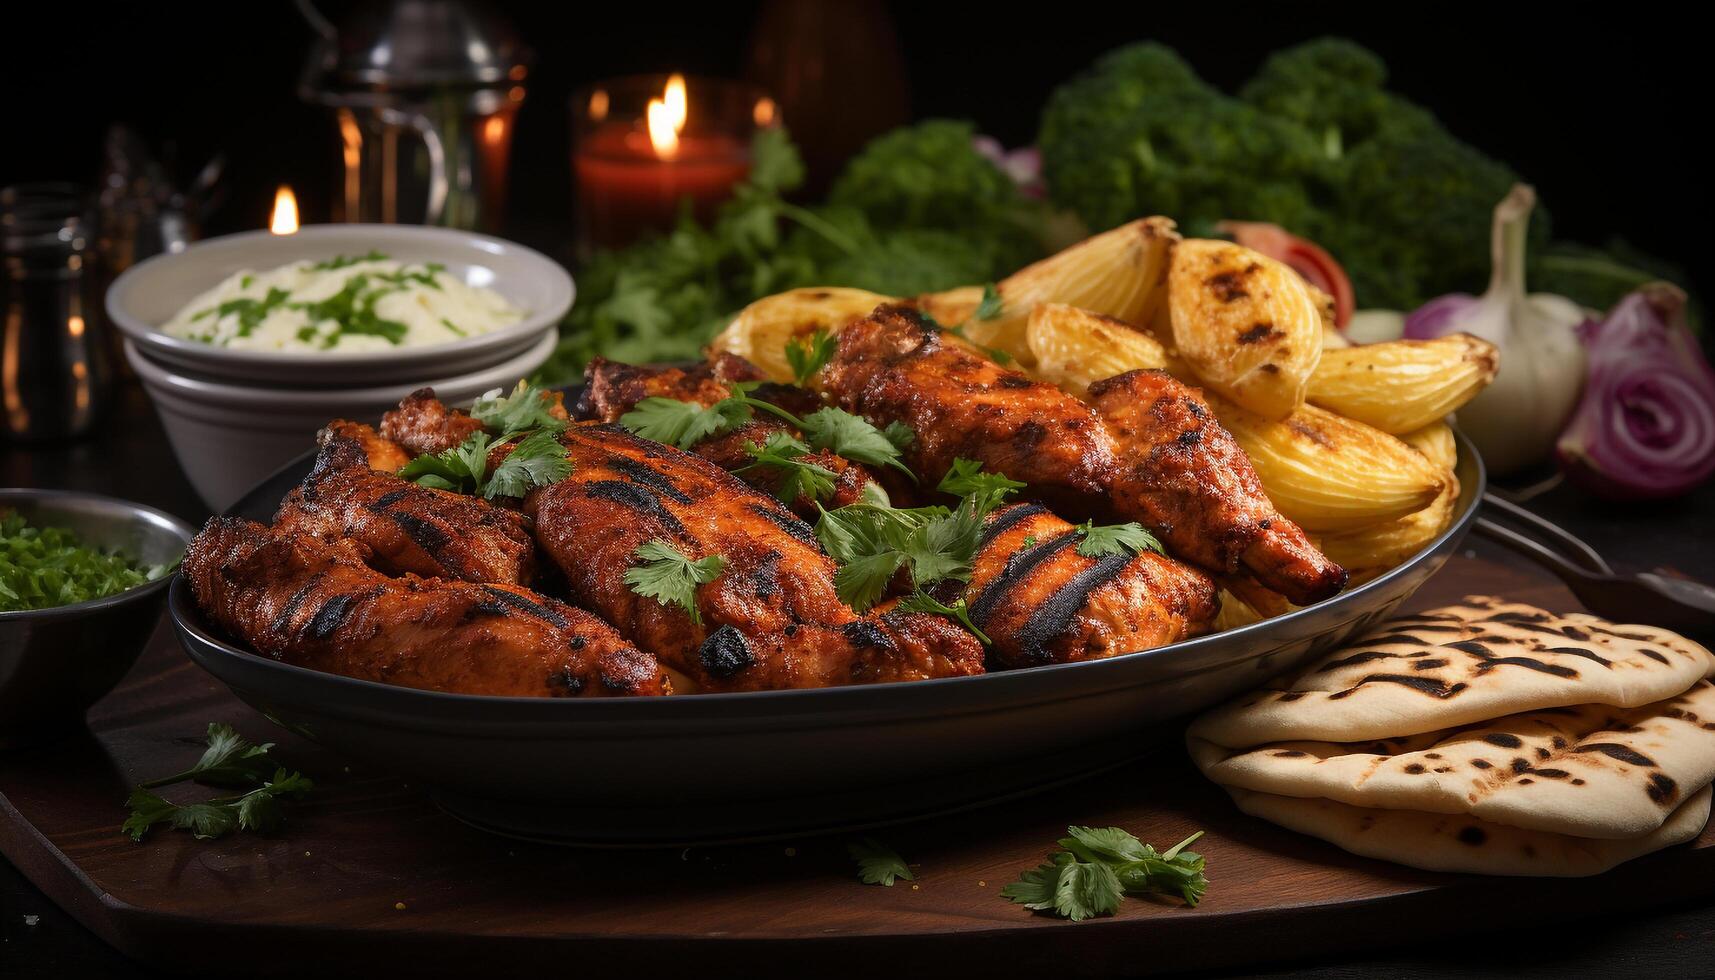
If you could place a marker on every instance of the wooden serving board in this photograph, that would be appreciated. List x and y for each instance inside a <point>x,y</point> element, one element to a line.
<point>331,886</point>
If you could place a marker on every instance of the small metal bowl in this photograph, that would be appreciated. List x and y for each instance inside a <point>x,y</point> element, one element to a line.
<point>56,662</point>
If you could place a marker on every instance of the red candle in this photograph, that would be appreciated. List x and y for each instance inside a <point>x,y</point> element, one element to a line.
<point>626,187</point>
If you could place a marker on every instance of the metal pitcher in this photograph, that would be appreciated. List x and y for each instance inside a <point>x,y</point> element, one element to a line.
<point>424,93</point>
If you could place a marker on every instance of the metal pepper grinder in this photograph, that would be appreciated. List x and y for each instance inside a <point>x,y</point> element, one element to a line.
<point>424,94</point>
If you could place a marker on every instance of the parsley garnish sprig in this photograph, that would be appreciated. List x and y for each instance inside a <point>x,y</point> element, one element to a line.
<point>230,761</point>
<point>670,577</point>
<point>798,476</point>
<point>808,355</point>
<point>990,307</point>
<point>1097,867</point>
<point>1115,539</point>
<point>537,460</point>
<point>873,544</point>
<point>684,424</point>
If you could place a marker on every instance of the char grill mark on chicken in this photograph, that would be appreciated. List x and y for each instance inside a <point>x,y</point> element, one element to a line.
<point>894,367</point>
<point>1150,451</point>
<point>404,528</point>
<point>613,389</point>
<point>771,619</point>
<point>1040,601</point>
<point>316,604</point>
<point>1187,479</point>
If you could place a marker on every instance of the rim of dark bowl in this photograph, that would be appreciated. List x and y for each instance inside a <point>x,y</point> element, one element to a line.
<point>899,694</point>
<point>155,515</point>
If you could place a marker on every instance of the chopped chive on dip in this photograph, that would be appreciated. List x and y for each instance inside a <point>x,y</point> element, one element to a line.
<point>43,567</point>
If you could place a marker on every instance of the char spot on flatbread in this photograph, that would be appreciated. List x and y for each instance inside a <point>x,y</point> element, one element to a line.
<point>1503,740</point>
<point>1472,647</point>
<point>1482,764</point>
<point>1555,669</point>
<point>1550,773</point>
<point>1474,836</point>
<point>1414,769</point>
<point>1362,657</point>
<point>1655,655</point>
<point>1586,654</point>
<point>1429,686</point>
<point>1293,695</point>
<point>1662,789</point>
<point>1618,752</point>
<point>1428,664</point>
<point>1290,754</point>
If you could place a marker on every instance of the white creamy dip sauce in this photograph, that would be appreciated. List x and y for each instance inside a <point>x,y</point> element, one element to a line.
<point>344,304</point>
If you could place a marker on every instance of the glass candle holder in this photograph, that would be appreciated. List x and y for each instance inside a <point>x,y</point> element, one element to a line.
<point>645,147</point>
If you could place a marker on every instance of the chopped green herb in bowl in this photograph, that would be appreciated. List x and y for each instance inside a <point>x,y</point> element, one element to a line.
<point>44,567</point>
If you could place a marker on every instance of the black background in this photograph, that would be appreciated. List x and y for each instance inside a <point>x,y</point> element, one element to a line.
<point>1598,107</point>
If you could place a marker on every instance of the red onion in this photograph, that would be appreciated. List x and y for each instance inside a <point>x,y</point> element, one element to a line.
<point>1439,316</point>
<point>1645,427</point>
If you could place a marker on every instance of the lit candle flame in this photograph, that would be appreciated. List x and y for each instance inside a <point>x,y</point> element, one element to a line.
<point>666,118</point>
<point>285,218</point>
<point>764,112</point>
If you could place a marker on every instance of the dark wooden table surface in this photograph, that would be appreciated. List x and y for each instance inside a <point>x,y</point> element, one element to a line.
<point>130,458</point>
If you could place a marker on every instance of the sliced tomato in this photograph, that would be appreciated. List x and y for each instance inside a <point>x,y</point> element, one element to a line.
<point>1304,256</point>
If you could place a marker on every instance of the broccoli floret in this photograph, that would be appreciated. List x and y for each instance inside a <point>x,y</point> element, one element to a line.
<point>929,177</point>
<point>1335,89</point>
<point>1140,133</point>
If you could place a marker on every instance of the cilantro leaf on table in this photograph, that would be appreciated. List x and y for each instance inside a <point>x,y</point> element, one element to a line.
<point>526,408</point>
<point>785,453</point>
<point>808,355</point>
<point>1115,539</point>
<point>231,760</point>
<point>537,461</point>
<point>667,575</point>
<point>877,863</point>
<point>258,810</point>
<point>1097,866</point>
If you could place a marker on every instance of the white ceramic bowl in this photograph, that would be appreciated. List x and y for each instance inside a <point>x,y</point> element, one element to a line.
<point>149,293</point>
<point>229,436</point>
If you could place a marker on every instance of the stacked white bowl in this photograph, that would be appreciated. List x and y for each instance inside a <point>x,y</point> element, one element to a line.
<point>234,416</point>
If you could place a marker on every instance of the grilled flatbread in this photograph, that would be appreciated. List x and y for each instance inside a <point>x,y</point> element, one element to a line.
<point>1459,665</point>
<point>1589,771</point>
<point>1443,842</point>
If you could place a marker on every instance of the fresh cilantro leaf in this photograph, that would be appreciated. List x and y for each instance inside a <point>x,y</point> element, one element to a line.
<point>784,453</point>
<point>808,355</point>
<point>538,460</point>
<point>42,567</point>
<point>460,469</point>
<point>1099,865</point>
<point>668,576</point>
<point>527,407</point>
<point>1115,539</point>
<point>944,548</point>
<point>231,760</point>
<point>1028,542</point>
<point>853,437</point>
<point>861,582</point>
<point>923,602</point>
<point>684,424</point>
<point>965,478</point>
<point>455,328</point>
<point>900,435</point>
<point>877,863</point>
<point>352,310</point>
<point>991,306</point>
<point>250,312</point>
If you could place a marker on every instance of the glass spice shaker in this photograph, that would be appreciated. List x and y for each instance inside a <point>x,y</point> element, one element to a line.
<point>55,366</point>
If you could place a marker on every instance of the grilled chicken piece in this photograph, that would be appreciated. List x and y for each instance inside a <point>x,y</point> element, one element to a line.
<point>771,620</point>
<point>1041,602</point>
<point>421,424</point>
<point>612,389</point>
<point>316,605</point>
<point>343,444</point>
<point>894,367</point>
<point>403,528</point>
<point>1188,481</point>
<point>1150,451</point>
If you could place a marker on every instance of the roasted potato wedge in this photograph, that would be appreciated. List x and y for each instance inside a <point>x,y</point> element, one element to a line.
<point>1367,552</point>
<point>1234,613</point>
<point>1330,473</point>
<point>1074,347</point>
<point>1248,325</point>
<point>1435,441</point>
<point>1402,385</point>
<point>762,330</point>
<point>1120,273</point>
